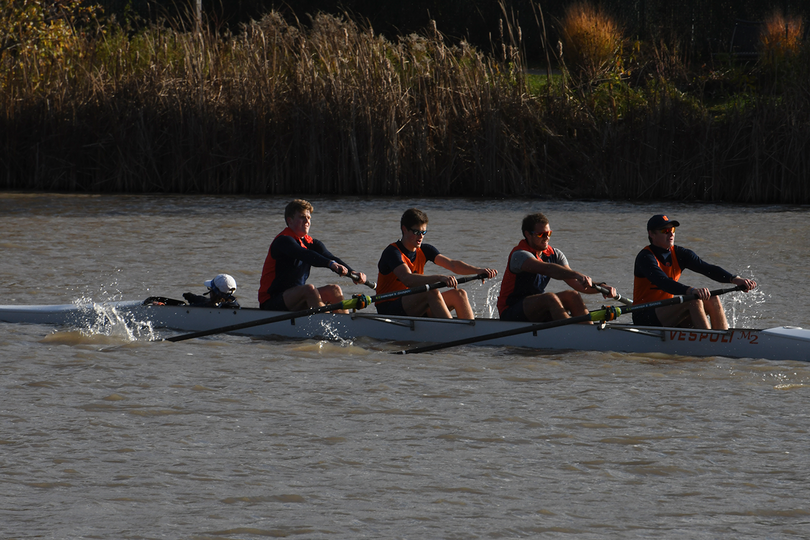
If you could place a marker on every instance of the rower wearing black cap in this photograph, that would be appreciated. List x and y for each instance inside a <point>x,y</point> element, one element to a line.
<point>657,273</point>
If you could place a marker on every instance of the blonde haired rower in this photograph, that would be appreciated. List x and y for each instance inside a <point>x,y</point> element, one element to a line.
<point>292,254</point>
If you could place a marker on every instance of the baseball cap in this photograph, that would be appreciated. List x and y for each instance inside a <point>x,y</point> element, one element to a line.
<point>222,283</point>
<point>660,221</point>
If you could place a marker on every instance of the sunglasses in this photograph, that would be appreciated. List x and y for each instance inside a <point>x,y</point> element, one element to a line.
<point>223,294</point>
<point>417,232</point>
<point>666,231</point>
<point>544,234</point>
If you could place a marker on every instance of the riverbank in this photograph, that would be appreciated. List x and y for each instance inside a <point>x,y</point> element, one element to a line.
<point>335,109</point>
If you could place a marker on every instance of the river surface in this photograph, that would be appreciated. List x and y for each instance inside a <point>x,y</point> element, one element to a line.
<point>109,437</point>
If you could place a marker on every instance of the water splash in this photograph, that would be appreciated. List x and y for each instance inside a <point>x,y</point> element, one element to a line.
<point>491,306</point>
<point>107,320</point>
<point>491,299</point>
<point>330,332</point>
<point>742,309</point>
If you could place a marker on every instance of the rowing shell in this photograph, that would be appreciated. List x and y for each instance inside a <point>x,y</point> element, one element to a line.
<point>780,343</point>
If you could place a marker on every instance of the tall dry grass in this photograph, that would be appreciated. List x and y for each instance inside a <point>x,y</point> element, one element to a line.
<point>333,108</point>
<point>591,42</point>
<point>780,51</point>
<point>781,36</point>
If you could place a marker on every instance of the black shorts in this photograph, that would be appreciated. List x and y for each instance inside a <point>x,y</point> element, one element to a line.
<point>515,313</point>
<point>275,304</point>
<point>392,307</point>
<point>646,317</point>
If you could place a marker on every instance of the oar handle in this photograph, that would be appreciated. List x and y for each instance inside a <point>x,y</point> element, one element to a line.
<point>618,297</point>
<point>482,276</point>
<point>356,277</point>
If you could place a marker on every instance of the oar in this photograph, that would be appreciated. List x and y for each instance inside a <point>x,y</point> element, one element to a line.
<point>370,284</point>
<point>618,297</point>
<point>356,302</point>
<point>424,288</point>
<point>604,314</point>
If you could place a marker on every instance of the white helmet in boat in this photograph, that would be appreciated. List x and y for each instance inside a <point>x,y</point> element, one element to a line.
<point>223,284</point>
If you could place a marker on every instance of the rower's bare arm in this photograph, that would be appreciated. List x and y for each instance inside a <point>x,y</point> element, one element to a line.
<point>462,268</point>
<point>576,280</point>
<point>610,292</point>
<point>554,271</point>
<point>410,280</point>
<point>586,285</point>
<point>582,283</point>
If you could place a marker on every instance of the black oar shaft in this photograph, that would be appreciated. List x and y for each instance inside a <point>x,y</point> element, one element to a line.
<point>356,276</point>
<point>619,298</point>
<point>501,334</point>
<point>345,304</point>
<point>598,315</point>
<point>423,288</point>
<point>676,300</point>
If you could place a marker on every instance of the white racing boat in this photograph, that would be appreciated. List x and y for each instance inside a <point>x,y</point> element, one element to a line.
<point>780,343</point>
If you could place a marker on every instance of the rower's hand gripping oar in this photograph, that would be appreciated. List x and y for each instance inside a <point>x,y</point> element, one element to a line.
<point>356,302</point>
<point>619,298</point>
<point>356,277</point>
<point>605,314</point>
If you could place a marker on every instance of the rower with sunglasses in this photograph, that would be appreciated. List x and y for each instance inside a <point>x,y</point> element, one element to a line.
<point>657,272</point>
<point>402,266</point>
<point>530,267</point>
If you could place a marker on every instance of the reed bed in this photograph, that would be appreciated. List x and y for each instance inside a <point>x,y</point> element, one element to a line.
<point>333,108</point>
<point>682,154</point>
<point>276,109</point>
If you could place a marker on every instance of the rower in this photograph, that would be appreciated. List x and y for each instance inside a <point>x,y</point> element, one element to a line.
<point>531,265</point>
<point>657,273</point>
<point>291,256</point>
<point>219,295</point>
<point>402,266</point>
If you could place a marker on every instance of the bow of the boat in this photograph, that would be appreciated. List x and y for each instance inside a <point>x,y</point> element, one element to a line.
<point>78,314</point>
